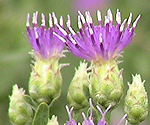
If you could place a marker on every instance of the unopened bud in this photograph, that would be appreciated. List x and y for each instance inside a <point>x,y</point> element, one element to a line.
<point>53,121</point>
<point>77,98</point>
<point>45,80</point>
<point>106,83</point>
<point>20,112</point>
<point>136,101</point>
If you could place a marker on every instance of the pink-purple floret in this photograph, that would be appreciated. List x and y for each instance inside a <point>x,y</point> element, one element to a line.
<point>102,41</point>
<point>42,40</point>
<point>90,119</point>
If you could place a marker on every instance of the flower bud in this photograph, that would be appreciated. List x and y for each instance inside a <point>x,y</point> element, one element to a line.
<point>45,80</point>
<point>136,101</point>
<point>20,112</point>
<point>53,121</point>
<point>106,83</point>
<point>77,98</point>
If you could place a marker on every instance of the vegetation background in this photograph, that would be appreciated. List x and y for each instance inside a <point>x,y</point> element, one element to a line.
<point>14,47</point>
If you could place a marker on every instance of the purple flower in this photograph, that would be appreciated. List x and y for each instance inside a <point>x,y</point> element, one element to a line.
<point>89,121</point>
<point>102,121</point>
<point>71,120</point>
<point>102,42</point>
<point>42,40</point>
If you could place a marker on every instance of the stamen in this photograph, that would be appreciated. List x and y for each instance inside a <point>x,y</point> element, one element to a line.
<point>35,18</point>
<point>88,17</point>
<point>36,34</point>
<point>68,21</point>
<point>106,20</point>
<point>69,112</point>
<point>37,38</point>
<point>109,15</point>
<point>108,108</point>
<point>43,19</point>
<point>122,25</point>
<point>61,21</point>
<point>99,15</point>
<point>100,38</point>
<point>118,17</point>
<point>72,31</point>
<point>59,37</point>
<point>124,117</point>
<point>28,20</point>
<point>99,109</point>
<point>91,31</point>
<point>55,19</point>
<point>50,20</point>
<point>82,17</point>
<point>129,19</point>
<point>91,106</point>
<point>72,40</point>
<point>84,117</point>
<point>69,26</point>
<point>79,22</point>
<point>62,30</point>
<point>136,21</point>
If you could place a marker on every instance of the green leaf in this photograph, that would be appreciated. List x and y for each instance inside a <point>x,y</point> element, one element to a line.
<point>41,115</point>
<point>30,101</point>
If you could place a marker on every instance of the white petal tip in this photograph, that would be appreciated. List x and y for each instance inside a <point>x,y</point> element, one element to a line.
<point>136,21</point>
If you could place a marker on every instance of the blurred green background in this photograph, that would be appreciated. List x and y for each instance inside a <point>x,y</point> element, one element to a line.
<point>14,47</point>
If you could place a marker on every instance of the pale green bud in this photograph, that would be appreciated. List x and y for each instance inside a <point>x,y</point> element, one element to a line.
<point>136,101</point>
<point>77,97</point>
<point>20,112</point>
<point>53,121</point>
<point>106,83</point>
<point>45,80</point>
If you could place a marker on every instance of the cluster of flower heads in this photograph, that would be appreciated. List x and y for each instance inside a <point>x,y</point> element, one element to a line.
<point>89,120</point>
<point>102,42</point>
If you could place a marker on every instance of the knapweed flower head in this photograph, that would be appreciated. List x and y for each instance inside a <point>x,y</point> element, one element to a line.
<point>45,80</point>
<point>42,40</point>
<point>104,41</point>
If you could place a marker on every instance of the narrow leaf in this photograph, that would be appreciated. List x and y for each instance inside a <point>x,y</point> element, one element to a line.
<point>41,115</point>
